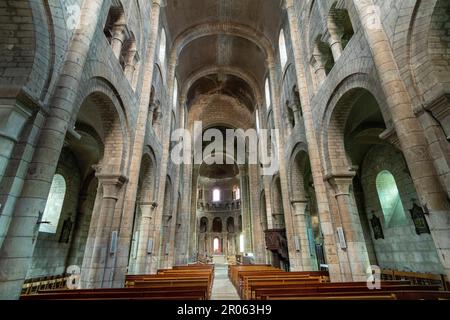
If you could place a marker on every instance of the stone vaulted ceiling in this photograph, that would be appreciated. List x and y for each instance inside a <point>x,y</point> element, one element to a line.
<point>220,54</point>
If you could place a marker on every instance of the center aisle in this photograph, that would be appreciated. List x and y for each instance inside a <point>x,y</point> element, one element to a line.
<point>223,289</point>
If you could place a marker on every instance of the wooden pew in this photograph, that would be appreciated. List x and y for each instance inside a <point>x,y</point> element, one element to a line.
<point>183,282</point>
<point>44,283</point>
<point>417,278</point>
<point>247,279</point>
<point>265,282</point>
<point>377,295</point>
<point>172,293</point>
<point>308,290</point>
<point>233,271</point>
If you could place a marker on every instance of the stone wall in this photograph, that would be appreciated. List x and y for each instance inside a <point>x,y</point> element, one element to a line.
<point>401,248</point>
<point>50,254</point>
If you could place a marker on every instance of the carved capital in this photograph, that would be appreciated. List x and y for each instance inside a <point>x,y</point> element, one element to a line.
<point>111,183</point>
<point>440,109</point>
<point>341,182</point>
<point>390,135</point>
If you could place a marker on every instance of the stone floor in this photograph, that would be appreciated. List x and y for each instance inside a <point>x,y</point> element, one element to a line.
<point>223,289</point>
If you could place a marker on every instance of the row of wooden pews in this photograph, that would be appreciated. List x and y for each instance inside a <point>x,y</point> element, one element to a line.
<point>263,282</point>
<point>418,278</point>
<point>33,285</point>
<point>192,282</point>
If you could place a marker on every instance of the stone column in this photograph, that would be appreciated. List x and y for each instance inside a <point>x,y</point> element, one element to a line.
<point>185,229</point>
<point>157,123</point>
<point>356,250</point>
<point>301,230</point>
<point>412,139</point>
<point>13,117</point>
<point>245,209</point>
<point>16,171</point>
<point>137,151</point>
<point>96,257</point>
<point>118,36</point>
<point>313,148</point>
<point>294,257</point>
<point>297,113</point>
<point>130,64</point>
<point>318,66</point>
<point>145,251</point>
<point>336,47</point>
<point>18,247</point>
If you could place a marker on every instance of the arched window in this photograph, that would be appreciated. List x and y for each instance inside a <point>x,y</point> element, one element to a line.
<point>268,95</point>
<point>216,245</point>
<point>257,121</point>
<point>283,50</point>
<point>216,195</point>
<point>54,205</point>
<point>162,47</point>
<point>393,211</point>
<point>175,95</point>
<point>236,193</point>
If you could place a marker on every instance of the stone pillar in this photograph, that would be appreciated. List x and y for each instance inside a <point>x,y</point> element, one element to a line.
<point>13,117</point>
<point>95,259</point>
<point>151,112</point>
<point>245,209</point>
<point>336,46</point>
<point>185,229</point>
<point>145,249</point>
<point>118,36</point>
<point>356,250</point>
<point>413,143</point>
<point>301,230</point>
<point>318,66</point>
<point>297,114</point>
<point>313,148</point>
<point>136,154</point>
<point>294,257</point>
<point>168,248</point>
<point>157,123</point>
<point>130,64</point>
<point>15,173</point>
<point>18,247</point>
<point>435,119</point>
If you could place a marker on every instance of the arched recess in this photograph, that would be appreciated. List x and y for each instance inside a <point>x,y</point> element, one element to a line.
<point>230,225</point>
<point>217,225</point>
<point>339,26</point>
<point>354,124</point>
<point>387,210</point>
<point>204,225</point>
<point>354,149</point>
<point>347,121</point>
<point>101,111</point>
